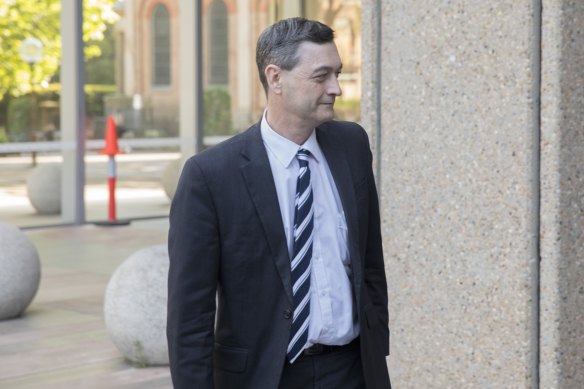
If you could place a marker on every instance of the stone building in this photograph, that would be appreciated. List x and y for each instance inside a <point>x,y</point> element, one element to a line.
<point>148,57</point>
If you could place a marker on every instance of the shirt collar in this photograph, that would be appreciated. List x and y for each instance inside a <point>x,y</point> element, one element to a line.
<point>284,149</point>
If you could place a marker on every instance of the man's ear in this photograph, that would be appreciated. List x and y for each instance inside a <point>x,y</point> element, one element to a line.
<point>273,76</point>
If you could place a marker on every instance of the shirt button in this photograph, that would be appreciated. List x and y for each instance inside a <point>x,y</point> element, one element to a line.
<point>287,314</point>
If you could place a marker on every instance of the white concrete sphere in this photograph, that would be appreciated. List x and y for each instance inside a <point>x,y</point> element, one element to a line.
<point>43,186</point>
<point>135,306</point>
<point>170,177</point>
<point>20,271</point>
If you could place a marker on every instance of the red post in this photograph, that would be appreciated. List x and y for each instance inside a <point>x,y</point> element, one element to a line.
<point>111,181</point>
<point>111,149</point>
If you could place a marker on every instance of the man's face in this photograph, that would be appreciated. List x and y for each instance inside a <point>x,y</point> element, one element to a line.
<point>310,88</point>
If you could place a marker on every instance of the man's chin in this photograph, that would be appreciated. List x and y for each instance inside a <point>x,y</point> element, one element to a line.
<point>328,111</point>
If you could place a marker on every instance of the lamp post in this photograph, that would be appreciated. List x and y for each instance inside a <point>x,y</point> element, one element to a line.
<point>31,52</point>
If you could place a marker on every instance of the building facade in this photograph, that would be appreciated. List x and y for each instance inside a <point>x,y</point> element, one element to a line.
<point>148,58</point>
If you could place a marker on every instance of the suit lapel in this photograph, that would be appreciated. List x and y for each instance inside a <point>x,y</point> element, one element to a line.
<point>257,173</point>
<point>339,166</point>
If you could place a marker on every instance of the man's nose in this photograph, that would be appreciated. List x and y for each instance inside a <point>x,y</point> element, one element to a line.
<point>335,88</point>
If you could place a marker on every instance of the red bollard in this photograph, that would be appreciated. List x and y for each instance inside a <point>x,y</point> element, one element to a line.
<point>111,149</point>
<point>111,183</point>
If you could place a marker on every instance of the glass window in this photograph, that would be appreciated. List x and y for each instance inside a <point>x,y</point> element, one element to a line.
<point>344,16</point>
<point>132,75</point>
<point>231,105</point>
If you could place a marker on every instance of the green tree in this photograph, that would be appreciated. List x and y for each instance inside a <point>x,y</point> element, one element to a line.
<point>40,19</point>
<point>101,70</point>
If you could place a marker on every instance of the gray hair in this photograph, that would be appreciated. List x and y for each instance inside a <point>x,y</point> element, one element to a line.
<point>279,43</point>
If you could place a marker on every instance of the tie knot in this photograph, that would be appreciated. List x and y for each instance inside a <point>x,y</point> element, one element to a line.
<point>302,156</point>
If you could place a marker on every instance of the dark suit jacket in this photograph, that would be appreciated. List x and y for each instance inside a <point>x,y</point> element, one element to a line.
<point>229,288</point>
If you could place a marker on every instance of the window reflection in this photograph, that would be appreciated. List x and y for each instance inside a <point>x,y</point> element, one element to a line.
<point>233,97</point>
<point>132,74</point>
<point>240,101</point>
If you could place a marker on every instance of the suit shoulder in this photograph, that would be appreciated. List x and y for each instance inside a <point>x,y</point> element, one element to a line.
<point>222,153</point>
<point>349,132</point>
<point>342,124</point>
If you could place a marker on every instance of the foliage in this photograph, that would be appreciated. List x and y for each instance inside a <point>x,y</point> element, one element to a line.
<point>19,118</point>
<point>347,109</point>
<point>21,19</point>
<point>100,70</point>
<point>94,98</point>
<point>3,135</point>
<point>19,115</point>
<point>89,88</point>
<point>217,112</point>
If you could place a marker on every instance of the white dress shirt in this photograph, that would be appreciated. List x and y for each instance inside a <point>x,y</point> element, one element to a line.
<point>333,318</point>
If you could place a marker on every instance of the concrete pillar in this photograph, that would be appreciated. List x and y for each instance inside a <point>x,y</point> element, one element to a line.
<point>290,9</point>
<point>476,121</point>
<point>72,113</point>
<point>191,85</point>
<point>244,67</point>
<point>481,187</point>
<point>562,195</point>
<point>131,48</point>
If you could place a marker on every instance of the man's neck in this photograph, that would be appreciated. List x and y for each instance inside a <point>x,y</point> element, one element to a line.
<point>287,127</point>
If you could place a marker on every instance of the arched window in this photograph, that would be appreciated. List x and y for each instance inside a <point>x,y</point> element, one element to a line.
<point>160,46</point>
<point>218,43</point>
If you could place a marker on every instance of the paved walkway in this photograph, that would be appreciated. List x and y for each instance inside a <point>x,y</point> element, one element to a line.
<point>61,341</point>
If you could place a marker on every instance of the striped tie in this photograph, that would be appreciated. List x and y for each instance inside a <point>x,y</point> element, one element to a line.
<point>302,254</point>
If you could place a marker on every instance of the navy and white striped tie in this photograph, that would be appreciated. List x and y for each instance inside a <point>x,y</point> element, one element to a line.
<point>301,257</point>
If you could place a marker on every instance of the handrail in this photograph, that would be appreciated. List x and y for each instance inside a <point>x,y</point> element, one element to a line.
<point>97,144</point>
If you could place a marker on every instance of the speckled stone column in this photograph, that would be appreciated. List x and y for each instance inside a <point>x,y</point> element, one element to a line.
<point>562,195</point>
<point>456,85</point>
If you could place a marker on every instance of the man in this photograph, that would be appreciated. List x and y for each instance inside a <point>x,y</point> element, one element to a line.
<point>276,267</point>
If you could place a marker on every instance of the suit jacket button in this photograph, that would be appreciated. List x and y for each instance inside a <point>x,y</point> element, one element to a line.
<point>287,314</point>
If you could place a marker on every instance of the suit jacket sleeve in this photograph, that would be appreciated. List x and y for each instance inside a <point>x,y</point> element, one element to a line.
<point>374,267</point>
<point>193,246</point>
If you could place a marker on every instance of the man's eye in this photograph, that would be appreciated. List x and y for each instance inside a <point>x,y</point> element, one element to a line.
<point>320,77</point>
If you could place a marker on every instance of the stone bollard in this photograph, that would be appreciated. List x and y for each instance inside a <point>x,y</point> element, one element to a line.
<point>20,271</point>
<point>170,177</point>
<point>135,307</point>
<point>43,186</point>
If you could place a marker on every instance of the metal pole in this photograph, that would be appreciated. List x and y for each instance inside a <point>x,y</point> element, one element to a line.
<point>33,112</point>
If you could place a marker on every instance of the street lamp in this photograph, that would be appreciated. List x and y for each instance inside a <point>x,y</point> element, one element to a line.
<point>31,52</point>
